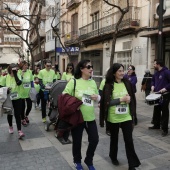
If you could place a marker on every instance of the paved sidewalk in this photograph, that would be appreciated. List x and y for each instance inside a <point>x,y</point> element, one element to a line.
<point>40,150</point>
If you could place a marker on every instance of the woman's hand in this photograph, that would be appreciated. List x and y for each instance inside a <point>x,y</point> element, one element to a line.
<point>125,99</point>
<point>94,97</point>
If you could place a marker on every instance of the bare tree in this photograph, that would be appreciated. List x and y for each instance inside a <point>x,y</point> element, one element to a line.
<point>34,23</point>
<point>56,31</point>
<point>123,11</point>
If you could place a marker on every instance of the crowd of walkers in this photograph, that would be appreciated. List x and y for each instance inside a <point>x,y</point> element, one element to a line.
<point>115,97</point>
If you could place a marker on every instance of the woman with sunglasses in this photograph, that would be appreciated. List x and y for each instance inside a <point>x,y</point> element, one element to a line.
<point>46,78</point>
<point>27,83</point>
<point>86,91</point>
<point>131,76</point>
<point>69,73</point>
<point>117,106</point>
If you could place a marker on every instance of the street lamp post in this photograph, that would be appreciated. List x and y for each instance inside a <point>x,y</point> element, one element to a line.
<point>56,29</point>
<point>160,36</point>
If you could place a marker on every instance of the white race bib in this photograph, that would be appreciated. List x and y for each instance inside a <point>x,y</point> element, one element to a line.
<point>121,109</point>
<point>14,96</point>
<point>26,85</point>
<point>86,99</point>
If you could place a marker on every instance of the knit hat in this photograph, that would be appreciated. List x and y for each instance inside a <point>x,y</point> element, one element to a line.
<point>147,71</point>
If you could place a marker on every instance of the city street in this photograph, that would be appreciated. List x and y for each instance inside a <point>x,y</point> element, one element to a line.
<point>41,150</point>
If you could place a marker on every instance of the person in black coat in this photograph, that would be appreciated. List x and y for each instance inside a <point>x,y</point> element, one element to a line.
<point>147,79</point>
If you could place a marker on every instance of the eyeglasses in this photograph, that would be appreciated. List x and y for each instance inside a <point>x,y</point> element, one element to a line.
<point>130,69</point>
<point>70,68</point>
<point>88,67</point>
<point>48,65</point>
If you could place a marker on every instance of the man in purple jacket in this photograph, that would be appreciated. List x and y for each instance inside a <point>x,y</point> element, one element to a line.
<point>161,83</point>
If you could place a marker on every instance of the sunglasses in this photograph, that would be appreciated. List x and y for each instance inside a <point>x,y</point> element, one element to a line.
<point>70,68</point>
<point>130,69</point>
<point>88,67</point>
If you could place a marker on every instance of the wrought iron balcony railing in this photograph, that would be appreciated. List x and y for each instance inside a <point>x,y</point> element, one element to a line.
<point>107,24</point>
<point>71,38</point>
<point>71,3</point>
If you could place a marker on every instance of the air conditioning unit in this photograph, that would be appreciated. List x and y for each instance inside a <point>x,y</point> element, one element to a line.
<point>166,8</point>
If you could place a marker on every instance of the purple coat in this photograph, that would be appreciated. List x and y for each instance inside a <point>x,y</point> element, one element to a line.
<point>133,80</point>
<point>161,79</point>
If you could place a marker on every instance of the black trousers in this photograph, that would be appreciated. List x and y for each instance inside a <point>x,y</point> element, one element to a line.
<point>17,105</point>
<point>29,107</point>
<point>127,129</point>
<point>43,104</point>
<point>147,92</point>
<point>161,113</point>
<point>93,139</point>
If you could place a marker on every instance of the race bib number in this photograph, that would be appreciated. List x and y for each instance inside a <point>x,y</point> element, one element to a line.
<point>86,99</point>
<point>14,96</point>
<point>121,109</point>
<point>26,85</point>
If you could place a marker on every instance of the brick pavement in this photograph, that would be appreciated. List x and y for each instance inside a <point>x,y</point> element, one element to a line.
<point>40,150</point>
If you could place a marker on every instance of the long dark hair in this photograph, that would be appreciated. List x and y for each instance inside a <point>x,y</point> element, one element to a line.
<point>110,78</point>
<point>70,65</point>
<point>80,65</point>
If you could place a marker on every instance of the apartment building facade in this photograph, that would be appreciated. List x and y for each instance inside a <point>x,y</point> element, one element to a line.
<point>152,32</point>
<point>91,28</point>
<point>10,44</point>
<point>34,9</point>
<point>52,19</point>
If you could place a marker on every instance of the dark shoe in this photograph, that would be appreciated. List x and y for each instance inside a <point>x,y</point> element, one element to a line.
<point>78,166</point>
<point>132,168</point>
<point>115,162</point>
<point>136,121</point>
<point>108,132</point>
<point>164,133</point>
<point>23,122</point>
<point>27,120</point>
<point>152,122</point>
<point>154,127</point>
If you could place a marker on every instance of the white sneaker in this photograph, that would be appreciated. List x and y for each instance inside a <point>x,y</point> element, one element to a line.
<point>11,130</point>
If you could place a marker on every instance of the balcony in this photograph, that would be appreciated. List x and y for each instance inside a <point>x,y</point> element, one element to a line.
<point>72,4</point>
<point>13,22</point>
<point>107,25</point>
<point>9,32</point>
<point>12,44</point>
<point>71,38</point>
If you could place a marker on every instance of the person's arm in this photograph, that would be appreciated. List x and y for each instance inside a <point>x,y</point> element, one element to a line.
<point>134,80</point>
<point>32,84</point>
<point>42,86</point>
<point>117,101</point>
<point>17,80</point>
<point>114,102</point>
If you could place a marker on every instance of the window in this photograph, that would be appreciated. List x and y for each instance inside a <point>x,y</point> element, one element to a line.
<point>74,25</point>
<point>49,35</point>
<point>95,18</point>
<point>63,31</point>
<point>125,59</point>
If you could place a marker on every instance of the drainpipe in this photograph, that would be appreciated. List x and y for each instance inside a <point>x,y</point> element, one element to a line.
<point>147,50</point>
<point>160,37</point>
